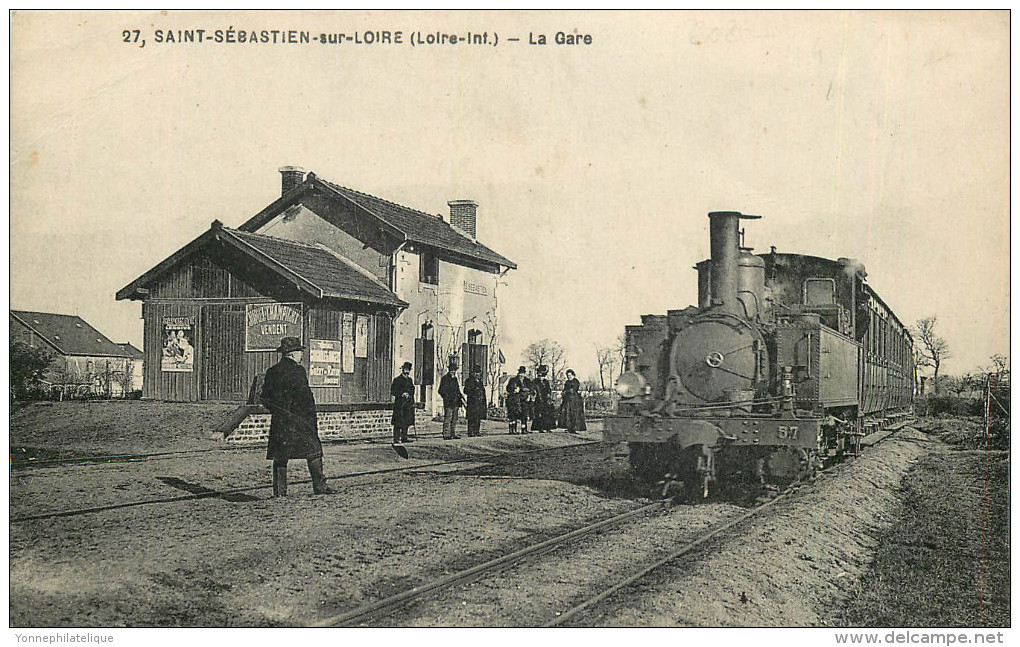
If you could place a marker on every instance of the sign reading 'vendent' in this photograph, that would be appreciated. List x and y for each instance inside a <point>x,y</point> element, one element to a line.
<point>265,324</point>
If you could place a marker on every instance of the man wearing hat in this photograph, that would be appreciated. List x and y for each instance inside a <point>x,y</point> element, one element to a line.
<point>517,389</point>
<point>294,431</point>
<point>453,400</point>
<point>402,391</point>
<point>474,389</point>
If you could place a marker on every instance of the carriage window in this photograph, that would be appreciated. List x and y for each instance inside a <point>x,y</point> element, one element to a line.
<point>819,292</point>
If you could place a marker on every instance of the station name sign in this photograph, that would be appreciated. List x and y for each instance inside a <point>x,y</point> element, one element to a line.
<point>266,324</point>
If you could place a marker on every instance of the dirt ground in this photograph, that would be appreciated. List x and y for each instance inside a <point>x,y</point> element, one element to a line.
<point>81,428</point>
<point>251,560</point>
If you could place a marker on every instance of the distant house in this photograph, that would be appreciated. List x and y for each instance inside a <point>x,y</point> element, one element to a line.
<point>85,362</point>
<point>137,365</point>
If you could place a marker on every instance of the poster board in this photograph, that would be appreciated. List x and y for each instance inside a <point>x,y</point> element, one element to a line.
<point>266,324</point>
<point>347,335</point>
<point>178,355</point>
<point>361,336</point>
<point>324,364</point>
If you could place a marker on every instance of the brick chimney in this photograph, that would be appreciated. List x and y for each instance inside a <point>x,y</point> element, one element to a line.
<point>292,176</point>
<point>464,216</point>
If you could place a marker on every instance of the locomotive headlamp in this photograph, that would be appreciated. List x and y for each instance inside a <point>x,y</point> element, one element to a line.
<point>631,385</point>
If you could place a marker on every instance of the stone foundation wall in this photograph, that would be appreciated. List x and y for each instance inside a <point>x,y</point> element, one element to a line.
<point>333,425</point>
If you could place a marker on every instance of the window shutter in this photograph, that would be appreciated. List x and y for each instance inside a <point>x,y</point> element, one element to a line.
<point>419,347</point>
<point>482,352</point>
<point>428,362</point>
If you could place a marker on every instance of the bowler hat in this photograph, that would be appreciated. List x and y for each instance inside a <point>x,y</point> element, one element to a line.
<point>406,365</point>
<point>288,344</point>
<point>521,369</point>
<point>543,369</point>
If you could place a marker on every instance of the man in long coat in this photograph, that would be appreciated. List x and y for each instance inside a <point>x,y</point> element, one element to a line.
<point>474,389</point>
<point>294,430</point>
<point>402,391</point>
<point>453,400</point>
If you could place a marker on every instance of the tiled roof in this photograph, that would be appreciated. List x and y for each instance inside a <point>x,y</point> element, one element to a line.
<point>322,268</point>
<point>315,270</point>
<point>420,227</point>
<point>131,350</point>
<point>71,334</point>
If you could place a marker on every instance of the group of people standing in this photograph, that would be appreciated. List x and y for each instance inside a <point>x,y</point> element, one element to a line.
<point>531,399</point>
<point>526,400</point>
<point>294,434</point>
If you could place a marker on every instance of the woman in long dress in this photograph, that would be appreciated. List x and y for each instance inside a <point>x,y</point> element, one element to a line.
<point>572,407</point>
<point>545,416</point>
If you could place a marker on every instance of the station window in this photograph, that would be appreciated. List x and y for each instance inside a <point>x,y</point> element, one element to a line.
<point>428,271</point>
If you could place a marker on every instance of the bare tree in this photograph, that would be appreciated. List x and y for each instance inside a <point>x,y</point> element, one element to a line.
<point>447,345</point>
<point>550,353</point>
<point>605,358</point>
<point>933,349</point>
<point>493,367</point>
<point>999,367</point>
<point>125,379</point>
<point>620,350</point>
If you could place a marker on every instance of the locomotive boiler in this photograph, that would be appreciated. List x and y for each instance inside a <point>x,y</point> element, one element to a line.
<point>786,363</point>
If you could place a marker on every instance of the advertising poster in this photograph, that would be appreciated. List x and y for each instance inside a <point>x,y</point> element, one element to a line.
<point>347,334</point>
<point>178,345</point>
<point>361,337</point>
<point>323,362</point>
<point>265,324</point>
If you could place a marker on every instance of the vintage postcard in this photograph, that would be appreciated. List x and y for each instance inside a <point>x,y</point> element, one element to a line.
<point>687,319</point>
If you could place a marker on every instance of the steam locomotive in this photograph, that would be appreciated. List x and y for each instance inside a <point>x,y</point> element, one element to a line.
<point>786,363</point>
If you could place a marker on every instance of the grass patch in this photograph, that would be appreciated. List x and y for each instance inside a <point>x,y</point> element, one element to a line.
<point>945,561</point>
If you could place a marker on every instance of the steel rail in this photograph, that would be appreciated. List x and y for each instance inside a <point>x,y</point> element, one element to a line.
<point>382,607</point>
<point>577,610</point>
<point>215,494</point>
<point>111,459</point>
<point>686,548</point>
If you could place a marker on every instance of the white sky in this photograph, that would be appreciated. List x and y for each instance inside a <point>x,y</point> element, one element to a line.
<point>879,136</point>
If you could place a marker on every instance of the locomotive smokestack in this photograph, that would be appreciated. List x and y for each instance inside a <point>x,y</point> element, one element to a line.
<point>724,232</point>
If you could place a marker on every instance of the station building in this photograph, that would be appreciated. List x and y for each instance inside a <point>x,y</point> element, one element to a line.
<point>365,283</point>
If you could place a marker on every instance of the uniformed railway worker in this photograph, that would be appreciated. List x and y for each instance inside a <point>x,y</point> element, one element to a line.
<point>474,389</point>
<point>517,389</point>
<point>402,391</point>
<point>293,431</point>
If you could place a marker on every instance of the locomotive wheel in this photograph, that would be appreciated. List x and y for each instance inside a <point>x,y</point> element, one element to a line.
<point>786,465</point>
<point>651,461</point>
<point>670,469</point>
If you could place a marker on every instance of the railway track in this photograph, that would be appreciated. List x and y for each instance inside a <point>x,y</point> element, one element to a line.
<point>19,463</point>
<point>365,614</point>
<point>235,492</point>
<point>386,606</point>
